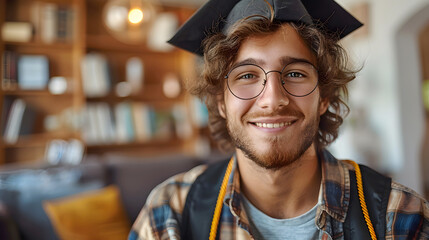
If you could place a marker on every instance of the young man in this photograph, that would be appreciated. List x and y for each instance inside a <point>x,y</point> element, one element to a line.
<point>273,80</point>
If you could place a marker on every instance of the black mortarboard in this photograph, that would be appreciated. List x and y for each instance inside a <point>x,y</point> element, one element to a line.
<point>219,15</point>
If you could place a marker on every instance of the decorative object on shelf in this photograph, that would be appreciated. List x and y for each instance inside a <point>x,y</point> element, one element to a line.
<point>33,72</point>
<point>171,86</point>
<point>58,85</point>
<point>17,31</point>
<point>129,21</point>
<point>162,29</point>
<point>135,74</point>
<point>64,152</point>
<point>123,89</point>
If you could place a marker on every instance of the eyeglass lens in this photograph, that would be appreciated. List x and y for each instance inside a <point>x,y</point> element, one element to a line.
<point>248,81</point>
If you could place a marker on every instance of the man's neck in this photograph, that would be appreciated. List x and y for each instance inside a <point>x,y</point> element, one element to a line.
<point>284,193</point>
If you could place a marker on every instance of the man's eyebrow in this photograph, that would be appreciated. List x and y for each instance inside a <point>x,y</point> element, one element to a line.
<point>288,60</point>
<point>284,61</point>
<point>249,61</point>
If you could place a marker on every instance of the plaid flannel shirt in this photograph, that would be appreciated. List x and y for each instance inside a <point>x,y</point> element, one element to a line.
<point>407,214</point>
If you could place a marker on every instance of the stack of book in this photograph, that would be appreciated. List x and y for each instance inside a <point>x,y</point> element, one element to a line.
<point>95,75</point>
<point>28,72</point>
<point>17,119</point>
<point>53,22</point>
<point>128,122</point>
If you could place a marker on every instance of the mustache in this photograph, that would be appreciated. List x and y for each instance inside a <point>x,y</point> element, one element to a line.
<point>276,113</point>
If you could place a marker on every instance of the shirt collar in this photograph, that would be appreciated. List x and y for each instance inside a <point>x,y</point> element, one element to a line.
<point>334,197</point>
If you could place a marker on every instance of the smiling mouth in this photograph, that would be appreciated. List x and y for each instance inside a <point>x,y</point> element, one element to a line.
<point>273,125</point>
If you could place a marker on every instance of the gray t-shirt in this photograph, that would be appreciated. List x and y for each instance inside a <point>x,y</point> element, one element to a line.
<point>264,227</point>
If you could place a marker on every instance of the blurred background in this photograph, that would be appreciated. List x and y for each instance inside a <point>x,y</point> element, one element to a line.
<point>93,82</point>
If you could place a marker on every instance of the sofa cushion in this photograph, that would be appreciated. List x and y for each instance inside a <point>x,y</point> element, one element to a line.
<point>136,177</point>
<point>96,214</point>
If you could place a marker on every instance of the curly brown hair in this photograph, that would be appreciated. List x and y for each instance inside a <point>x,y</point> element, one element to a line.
<point>220,51</point>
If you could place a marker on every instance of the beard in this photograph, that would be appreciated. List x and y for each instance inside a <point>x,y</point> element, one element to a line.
<point>281,152</point>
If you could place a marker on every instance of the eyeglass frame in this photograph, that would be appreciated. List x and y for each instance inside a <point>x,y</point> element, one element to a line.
<point>266,79</point>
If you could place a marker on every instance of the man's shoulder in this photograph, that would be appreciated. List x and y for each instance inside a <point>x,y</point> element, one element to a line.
<point>175,188</point>
<point>407,213</point>
<point>406,200</point>
<point>398,191</point>
<point>160,216</point>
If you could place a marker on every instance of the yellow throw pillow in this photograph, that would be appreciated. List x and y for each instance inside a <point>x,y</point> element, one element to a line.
<point>92,215</point>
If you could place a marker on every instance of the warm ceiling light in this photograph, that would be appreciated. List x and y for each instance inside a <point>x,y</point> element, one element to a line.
<point>135,15</point>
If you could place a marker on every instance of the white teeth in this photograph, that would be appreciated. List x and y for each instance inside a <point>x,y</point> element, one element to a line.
<point>273,125</point>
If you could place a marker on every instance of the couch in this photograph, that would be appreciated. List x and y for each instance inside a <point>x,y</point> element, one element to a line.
<point>24,190</point>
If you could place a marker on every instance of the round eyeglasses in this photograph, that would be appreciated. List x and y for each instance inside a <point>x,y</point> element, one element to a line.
<point>247,81</point>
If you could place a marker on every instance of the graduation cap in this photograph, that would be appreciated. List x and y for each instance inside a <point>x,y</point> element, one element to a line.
<point>220,15</point>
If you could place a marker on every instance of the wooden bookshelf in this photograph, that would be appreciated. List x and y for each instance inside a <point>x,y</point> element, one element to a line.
<point>88,34</point>
<point>63,57</point>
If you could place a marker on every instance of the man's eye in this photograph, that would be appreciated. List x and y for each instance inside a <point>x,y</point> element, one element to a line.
<point>295,75</point>
<point>247,76</point>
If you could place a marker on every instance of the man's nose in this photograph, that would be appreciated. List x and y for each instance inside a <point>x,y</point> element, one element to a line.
<point>274,95</point>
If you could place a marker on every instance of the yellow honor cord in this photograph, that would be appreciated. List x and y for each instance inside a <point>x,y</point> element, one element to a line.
<point>362,199</point>
<point>219,202</point>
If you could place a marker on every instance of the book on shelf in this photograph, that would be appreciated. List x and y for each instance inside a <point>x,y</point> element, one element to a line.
<point>95,75</point>
<point>128,122</point>
<point>142,121</point>
<point>53,22</point>
<point>105,120</point>
<point>124,122</point>
<point>7,105</point>
<point>183,127</point>
<point>9,69</point>
<point>99,126</point>
<point>19,121</point>
<point>163,124</point>
<point>33,72</point>
<point>200,114</point>
<point>65,26</point>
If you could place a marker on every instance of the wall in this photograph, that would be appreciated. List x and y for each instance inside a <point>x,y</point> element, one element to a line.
<point>389,89</point>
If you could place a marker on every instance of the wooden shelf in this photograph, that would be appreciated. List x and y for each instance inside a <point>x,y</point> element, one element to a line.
<point>56,45</point>
<point>37,140</point>
<point>150,143</point>
<point>113,98</point>
<point>35,93</point>
<point>153,147</point>
<point>108,43</point>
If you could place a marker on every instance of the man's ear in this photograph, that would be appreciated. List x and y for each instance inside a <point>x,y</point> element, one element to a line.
<point>323,107</point>
<point>221,106</point>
